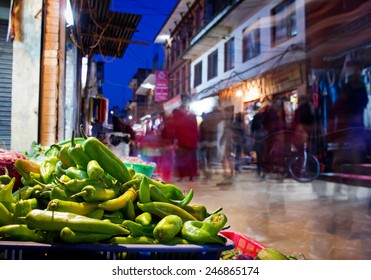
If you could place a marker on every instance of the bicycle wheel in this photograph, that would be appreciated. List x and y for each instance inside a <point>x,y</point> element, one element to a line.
<point>304,171</point>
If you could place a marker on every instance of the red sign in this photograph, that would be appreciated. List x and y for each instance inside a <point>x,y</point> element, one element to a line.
<point>161,86</point>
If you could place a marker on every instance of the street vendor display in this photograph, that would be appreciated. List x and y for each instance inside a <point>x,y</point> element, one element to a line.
<point>79,192</point>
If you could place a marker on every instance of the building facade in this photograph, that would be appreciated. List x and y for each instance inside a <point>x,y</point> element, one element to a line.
<point>246,51</point>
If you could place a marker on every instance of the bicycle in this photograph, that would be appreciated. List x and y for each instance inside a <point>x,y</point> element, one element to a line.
<point>297,163</point>
<point>303,166</point>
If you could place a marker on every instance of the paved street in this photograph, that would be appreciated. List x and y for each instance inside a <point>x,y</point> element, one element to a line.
<point>292,217</point>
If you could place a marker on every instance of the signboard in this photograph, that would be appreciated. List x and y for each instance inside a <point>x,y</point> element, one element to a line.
<point>286,79</point>
<point>173,103</point>
<point>161,86</point>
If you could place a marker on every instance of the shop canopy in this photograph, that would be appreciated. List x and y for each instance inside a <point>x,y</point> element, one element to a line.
<point>99,30</point>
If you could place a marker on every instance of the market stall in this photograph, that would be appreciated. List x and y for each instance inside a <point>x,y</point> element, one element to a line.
<point>78,200</point>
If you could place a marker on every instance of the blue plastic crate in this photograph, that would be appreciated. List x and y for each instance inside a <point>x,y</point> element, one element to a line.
<point>14,250</point>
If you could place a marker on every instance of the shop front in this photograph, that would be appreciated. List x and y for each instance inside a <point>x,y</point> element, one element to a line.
<point>331,86</point>
<point>286,83</point>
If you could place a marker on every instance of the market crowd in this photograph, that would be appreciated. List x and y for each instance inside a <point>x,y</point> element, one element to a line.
<point>185,147</point>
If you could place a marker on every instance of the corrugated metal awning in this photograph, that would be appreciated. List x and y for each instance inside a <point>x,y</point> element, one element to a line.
<point>98,30</point>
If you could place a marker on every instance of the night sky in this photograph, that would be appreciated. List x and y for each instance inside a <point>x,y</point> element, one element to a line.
<point>119,71</point>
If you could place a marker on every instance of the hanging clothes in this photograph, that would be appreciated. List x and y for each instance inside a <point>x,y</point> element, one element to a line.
<point>98,108</point>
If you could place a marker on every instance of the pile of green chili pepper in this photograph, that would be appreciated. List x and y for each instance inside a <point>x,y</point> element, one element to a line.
<point>81,192</point>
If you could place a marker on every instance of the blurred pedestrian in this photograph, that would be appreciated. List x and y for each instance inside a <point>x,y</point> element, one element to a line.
<point>166,142</point>
<point>274,123</point>
<point>228,151</point>
<point>259,135</point>
<point>304,120</point>
<point>186,142</point>
<point>238,140</point>
<point>208,131</point>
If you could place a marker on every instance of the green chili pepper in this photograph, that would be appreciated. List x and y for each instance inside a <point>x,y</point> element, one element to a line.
<point>162,209</point>
<point>120,202</point>
<point>198,211</point>
<point>10,206</point>
<point>137,229</point>
<point>129,210</point>
<point>192,231</point>
<point>31,179</point>
<point>144,191</point>
<point>133,183</point>
<point>185,201</point>
<point>133,240</point>
<point>6,217</point>
<point>214,223</point>
<point>47,169</point>
<point>48,186</point>
<point>70,236</point>
<point>59,193</point>
<point>111,182</point>
<point>75,173</point>
<point>169,190</point>
<point>5,178</point>
<point>67,142</point>
<point>76,185</point>
<point>157,195</point>
<point>63,155</point>
<point>107,159</point>
<point>43,194</point>
<point>109,215</point>
<point>56,221</point>
<point>60,169</point>
<point>63,179</point>
<point>167,228</point>
<point>96,193</point>
<point>77,153</point>
<point>94,170</point>
<point>6,192</point>
<point>22,207</point>
<point>144,219</point>
<point>80,208</point>
<point>20,232</point>
<point>131,171</point>
<point>96,214</point>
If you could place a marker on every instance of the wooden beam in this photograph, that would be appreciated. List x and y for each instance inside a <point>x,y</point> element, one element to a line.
<point>114,39</point>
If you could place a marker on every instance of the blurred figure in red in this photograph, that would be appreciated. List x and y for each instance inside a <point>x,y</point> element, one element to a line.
<point>186,142</point>
<point>274,123</point>
<point>166,145</point>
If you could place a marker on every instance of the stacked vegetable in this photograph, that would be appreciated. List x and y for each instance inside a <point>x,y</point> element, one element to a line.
<point>81,192</point>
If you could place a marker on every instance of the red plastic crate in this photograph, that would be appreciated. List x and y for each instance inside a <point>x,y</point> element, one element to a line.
<point>244,243</point>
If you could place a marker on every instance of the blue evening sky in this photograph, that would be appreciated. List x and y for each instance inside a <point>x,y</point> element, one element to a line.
<point>118,72</point>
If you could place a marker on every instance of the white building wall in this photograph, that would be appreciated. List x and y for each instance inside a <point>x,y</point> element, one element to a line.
<point>267,60</point>
<point>26,77</point>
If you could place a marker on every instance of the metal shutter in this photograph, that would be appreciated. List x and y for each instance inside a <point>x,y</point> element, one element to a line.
<point>6,58</point>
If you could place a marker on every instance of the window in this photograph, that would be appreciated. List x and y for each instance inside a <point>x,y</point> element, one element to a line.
<point>251,42</point>
<point>284,22</point>
<point>229,55</point>
<point>197,74</point>
<point>212,65</point>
